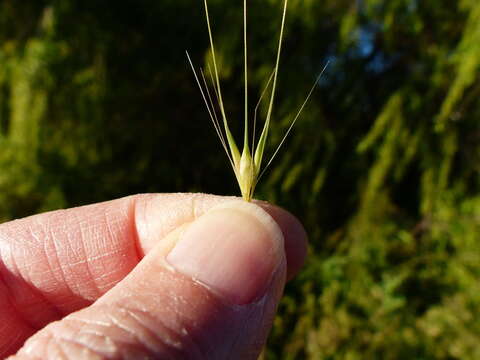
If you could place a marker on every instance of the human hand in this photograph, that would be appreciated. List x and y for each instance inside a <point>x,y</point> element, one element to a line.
<point>172,276</point>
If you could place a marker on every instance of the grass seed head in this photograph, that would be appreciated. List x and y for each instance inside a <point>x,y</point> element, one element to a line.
<point>247,167</point>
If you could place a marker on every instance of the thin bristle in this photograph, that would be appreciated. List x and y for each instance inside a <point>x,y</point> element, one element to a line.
<point>231,142</point>
<point>215,120</point>
<point>263,137</point>
<point>245,166</point>
<point>212,118</point>
<point>245,46</point>
<point>257,106</point>
<point>213,82</point>
<point>294,120</point>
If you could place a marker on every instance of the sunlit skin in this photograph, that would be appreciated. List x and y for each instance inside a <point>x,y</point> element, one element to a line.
<point>97,265</point>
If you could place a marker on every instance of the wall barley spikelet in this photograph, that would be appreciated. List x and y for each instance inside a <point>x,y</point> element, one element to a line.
<point>247,164</point>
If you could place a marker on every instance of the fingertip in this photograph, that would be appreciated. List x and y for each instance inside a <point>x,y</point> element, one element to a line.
<point>159,214</point>
<point>295,236</point>
<point>234,249</point>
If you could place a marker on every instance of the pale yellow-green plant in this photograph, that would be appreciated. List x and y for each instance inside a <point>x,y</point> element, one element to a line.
<point>247,165</point>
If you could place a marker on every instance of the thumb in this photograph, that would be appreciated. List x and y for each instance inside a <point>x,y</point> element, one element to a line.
<point>207,290</point>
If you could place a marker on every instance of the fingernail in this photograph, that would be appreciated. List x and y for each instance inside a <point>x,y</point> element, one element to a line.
<point>234,249</point>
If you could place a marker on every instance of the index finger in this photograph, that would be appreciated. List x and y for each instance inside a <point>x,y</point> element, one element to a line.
<point>55,263</point>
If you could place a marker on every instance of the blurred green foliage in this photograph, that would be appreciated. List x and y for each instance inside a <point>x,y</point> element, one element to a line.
<point>97,102</point>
